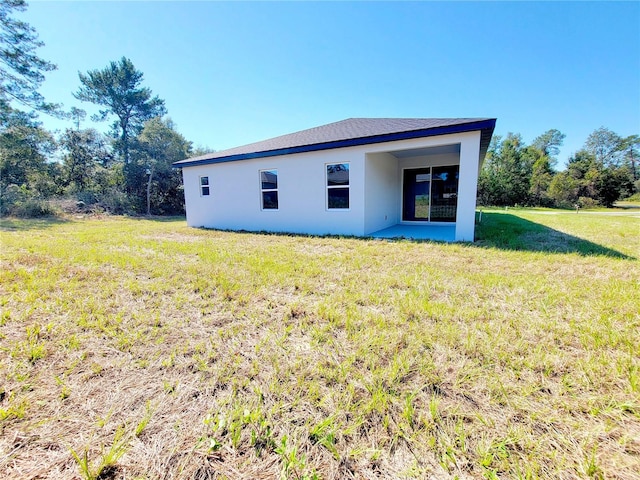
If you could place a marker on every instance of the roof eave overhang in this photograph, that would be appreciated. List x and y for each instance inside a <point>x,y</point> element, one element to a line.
<point>485,126</point>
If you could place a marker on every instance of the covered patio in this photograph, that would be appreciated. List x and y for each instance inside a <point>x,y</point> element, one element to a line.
<point>425,191</point>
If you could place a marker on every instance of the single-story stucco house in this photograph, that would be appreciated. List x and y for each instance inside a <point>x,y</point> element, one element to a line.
<point>381,177</point>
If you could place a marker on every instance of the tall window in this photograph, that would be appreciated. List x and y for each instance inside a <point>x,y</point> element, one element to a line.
<point>204,186</point>
<point>337,186</point>
<point>269,189</point>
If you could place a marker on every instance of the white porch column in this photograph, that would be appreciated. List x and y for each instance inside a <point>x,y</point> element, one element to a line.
<point>468,187</point>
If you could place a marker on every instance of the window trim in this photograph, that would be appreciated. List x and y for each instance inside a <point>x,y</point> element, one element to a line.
<point>328,187</point>
<point>204,185</point>
<point>264,190</point>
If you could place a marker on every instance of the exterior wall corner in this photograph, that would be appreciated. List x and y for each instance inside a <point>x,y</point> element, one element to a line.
<point>468,187</point>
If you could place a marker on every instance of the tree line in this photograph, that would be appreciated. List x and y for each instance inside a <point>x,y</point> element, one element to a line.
<point>128,170</point>
<point>603,171</point>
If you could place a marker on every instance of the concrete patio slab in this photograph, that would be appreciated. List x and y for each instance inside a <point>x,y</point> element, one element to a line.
<point>441,233</point>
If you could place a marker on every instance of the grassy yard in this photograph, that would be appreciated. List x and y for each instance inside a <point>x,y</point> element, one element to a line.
<point>133,348</point>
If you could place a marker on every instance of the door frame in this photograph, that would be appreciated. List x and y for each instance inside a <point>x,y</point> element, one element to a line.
<point>402,196</point>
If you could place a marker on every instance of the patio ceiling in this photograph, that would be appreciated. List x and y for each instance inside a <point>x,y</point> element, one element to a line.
<point>421,152</point>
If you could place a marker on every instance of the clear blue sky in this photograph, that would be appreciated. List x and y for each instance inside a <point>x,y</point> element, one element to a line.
<point>238,72</point>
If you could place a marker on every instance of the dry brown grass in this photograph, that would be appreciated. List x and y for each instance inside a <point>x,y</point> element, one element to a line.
<point>222,355</point>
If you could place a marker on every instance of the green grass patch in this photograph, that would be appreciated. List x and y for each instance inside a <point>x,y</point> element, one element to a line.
<point>136,348</point>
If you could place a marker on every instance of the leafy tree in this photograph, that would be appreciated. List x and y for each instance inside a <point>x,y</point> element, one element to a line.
<point>24,147</point>
<point>606,146</point>
<point>601,173</point>
<point>617,164</point>
<point>158,146</point>
<point>602,184</point>
<point>542,174</point>
<point>506,175</point>
<point>25,175</point>
<point>201,150</point>
<point>21,70</point>
<point>549,142</point>
<point>543,152</point>
<point>86,156</point>
<point>118,88</point>
<point>491,184</point>
<point>612,184</point>
<point>631,148</point>
<point>563,190</point>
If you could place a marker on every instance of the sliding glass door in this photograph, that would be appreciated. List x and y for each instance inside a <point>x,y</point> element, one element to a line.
<point>430,194</point>
<point>416,194</point>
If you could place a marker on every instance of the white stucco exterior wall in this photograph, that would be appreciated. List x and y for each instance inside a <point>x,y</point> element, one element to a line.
<point>382,192</point>
<point>467,186</point>
<point>375,189</point>
<point>235,201</point>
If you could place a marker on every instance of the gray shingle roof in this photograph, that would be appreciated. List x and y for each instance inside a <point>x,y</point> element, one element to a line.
<point>353,131</point>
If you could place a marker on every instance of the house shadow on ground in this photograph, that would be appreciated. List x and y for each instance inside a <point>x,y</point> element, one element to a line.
<point>510,232</point>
